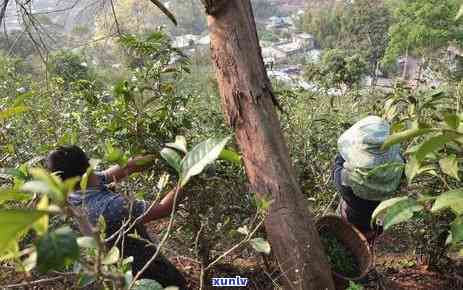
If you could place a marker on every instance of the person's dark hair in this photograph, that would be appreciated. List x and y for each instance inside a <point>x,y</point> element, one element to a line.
<point>68,161</point>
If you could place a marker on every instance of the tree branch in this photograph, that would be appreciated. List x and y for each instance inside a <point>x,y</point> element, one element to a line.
<point>164,10</point>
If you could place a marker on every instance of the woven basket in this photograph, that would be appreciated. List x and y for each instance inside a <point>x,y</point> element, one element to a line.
<point>354,240</point>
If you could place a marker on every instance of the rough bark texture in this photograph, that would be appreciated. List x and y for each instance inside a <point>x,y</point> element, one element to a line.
<point>250,108</point>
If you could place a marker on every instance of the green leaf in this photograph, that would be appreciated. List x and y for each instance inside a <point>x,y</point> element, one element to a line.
<point>385,205</point>
<point>172,158</point>
<point>87,242</point>
<point>413,168</point>
<point>452,120</point>
<point>8,173</point>
<point>449,166</point>
<point>404,136</point>
<point>431,145</point>
<point>260,245</point>
<point>128,260</point>
<point>5,114</point>
<point>69,185</point>
<point>41,226</point>
<point>112,257</point>
<point>84,180</point>
<point>199,157</point>
<point>460,13</point>
<point>57,250</point>
<point>456,228</point>
<point>51,184</point>
<point>37,186</point>
<point>230,155</point>
<point>115,155</point>
<point>147,284</point>
<point>451,199</point>
<point>15,222</point>
<point>400,212</point>
<point>9,195</point>
<point>180,144</point>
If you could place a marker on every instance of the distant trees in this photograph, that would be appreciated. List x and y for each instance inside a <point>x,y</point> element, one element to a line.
<point>422,26</point>
<point>338,68</point>
<point>263,9</point>
<point>69,66</point>
<point>17,44</point>
<point>360,26</point>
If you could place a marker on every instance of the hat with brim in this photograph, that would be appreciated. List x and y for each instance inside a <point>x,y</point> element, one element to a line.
<point>360,146</point>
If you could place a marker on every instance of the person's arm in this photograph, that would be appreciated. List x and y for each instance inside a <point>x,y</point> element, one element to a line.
<point>136,164</point>
<point>164,208</point>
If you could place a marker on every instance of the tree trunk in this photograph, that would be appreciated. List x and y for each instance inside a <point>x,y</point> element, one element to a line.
<point>250,109</point>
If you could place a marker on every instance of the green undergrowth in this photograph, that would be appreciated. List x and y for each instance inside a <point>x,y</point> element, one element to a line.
<point>340,257</point>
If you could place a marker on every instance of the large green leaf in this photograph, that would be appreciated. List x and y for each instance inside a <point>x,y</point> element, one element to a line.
<point>200,156</point>
<point>400,212</point>
<point>57,250</point>
<point>41,225</point>
<point>37,186</point>
<point>413,168</point>
<point>8,173</point>
<point>431,145</point>
<point>46,183</point>
<point>230,155</point>
<point>10,194</point>
<point>15,222</point>
<point>385,205</point>
<point>451,199</point>
<point>404,136</point>
<point>172,158</point>
<point>84,180</point>
<point>179,144</point>
<point>449,166</point>
<point>115,155</point>
<point>260,245</point>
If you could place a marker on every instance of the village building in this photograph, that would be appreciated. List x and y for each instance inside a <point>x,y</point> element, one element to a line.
<point>204,41</point>
<point>304,40</point>
<point>185,41</point>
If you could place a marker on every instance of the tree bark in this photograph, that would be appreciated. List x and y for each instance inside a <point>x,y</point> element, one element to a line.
<point>250,109</point>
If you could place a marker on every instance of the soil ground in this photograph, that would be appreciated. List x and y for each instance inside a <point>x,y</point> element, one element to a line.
<point>395,268</point>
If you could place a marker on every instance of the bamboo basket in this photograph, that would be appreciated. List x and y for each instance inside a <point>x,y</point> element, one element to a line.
<point>355,241</point>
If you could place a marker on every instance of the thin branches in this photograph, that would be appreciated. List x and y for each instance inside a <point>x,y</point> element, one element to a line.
<point>3,10</point>
<point>163,241</point>
<point>33,283</point>
<point>164,10</point>
<point>118,29</point>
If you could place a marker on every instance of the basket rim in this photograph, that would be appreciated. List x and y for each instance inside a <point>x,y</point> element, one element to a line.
<point>363,243</point>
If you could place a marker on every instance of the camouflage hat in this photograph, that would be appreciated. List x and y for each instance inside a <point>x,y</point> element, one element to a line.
<point>371,172</point>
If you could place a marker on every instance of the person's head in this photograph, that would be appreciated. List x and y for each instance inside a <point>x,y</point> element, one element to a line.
<point>68,161</point>
<point>361,145</point>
